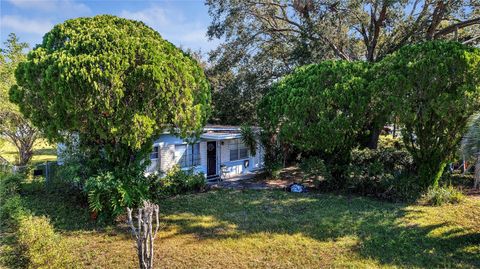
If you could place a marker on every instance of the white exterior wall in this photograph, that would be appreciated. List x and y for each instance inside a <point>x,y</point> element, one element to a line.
<point>235,168</point>
<point>167,158</point>
<point>203,156</point>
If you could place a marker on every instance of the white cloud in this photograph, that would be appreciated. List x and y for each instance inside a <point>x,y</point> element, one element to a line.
<point>24,25</point>
<point>154,17</point>
<point>53,6</point>
<point>173,26</point>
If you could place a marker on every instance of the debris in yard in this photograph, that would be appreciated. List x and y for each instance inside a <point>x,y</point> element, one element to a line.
<point>296,187</point>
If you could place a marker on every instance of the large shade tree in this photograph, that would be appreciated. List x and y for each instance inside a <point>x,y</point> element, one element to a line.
<point>264,40</point>
<point>321,109</point>
<point>14,127</point>
<point>115,83</point>
<point>434,88</point>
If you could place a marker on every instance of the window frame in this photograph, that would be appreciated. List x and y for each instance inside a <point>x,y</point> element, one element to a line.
<point>156,149</point>
<point>190,157</point>
<point>239,146</point>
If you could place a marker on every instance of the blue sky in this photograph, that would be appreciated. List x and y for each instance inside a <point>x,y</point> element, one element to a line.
<point>182,22</point>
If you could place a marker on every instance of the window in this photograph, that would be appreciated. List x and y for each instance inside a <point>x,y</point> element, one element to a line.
<point>189,155</point>
<point>238,151</point>
<point>154,153</point>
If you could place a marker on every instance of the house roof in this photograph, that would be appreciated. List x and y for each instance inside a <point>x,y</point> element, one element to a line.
<point>220,135</point>
<point>218,128</point>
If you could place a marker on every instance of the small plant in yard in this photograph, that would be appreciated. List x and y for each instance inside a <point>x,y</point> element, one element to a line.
<point>177,181</point>
<point>438,196</point>
<point>40,245</point>
<point>37,244</point>
<point>249,138</point>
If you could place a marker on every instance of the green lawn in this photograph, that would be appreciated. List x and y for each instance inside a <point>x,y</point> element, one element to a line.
<point>42,152</point>
<point>275,229</point>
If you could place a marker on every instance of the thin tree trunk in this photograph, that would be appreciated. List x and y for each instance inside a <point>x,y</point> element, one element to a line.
<point>144,233</point>
<point>476,183</point>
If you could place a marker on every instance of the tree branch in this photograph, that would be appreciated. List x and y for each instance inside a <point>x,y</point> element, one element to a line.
<point>451,28</point>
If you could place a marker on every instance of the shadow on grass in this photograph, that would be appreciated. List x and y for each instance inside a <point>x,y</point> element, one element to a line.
<point>381,228</point>
<point>68,211</point>
<point>386,232</point>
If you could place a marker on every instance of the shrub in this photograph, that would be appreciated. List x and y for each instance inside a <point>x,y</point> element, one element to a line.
<point>384,173</point>
<point>388,141</point>
<point>109,194</point>
<point>11,210</point>
<point>177,181</point>
<point>10,185</point>
<point>457,179</point>
<point>40,246</point>
<point>438,196</point>
<point>10,202</point>
<point>273,169</point>
<point>67,177</point>
<point>315,169</point>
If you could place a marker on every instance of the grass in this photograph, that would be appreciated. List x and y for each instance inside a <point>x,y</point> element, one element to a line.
<point>275,229</point>
<point>43,152</point>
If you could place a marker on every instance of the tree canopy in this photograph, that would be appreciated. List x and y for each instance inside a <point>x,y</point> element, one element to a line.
<point>320,108</point>
<point>13,126</point>
<point>434,89</point>
<point>264,40</point>
<point>114,82</point>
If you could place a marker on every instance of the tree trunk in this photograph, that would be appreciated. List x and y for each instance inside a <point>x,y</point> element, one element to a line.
<point>144,232</point>
<point>372,142</point>
<point>430,171</point>
<point>476,183</point>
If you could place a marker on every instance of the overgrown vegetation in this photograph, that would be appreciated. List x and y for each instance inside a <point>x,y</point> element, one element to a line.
<point>177,181</point>
<point>327,111</point>
<point>440,195</point>
<point>262,41</point>
<point>35,243</point>
<point>266,229</point>
<point>433,89</point>
<point>137,86</point>
<point>315,169</point>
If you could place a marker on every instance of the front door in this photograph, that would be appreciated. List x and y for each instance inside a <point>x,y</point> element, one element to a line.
<point>211,158</point>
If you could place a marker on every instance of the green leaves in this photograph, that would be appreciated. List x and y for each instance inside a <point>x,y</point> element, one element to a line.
<point>114,82</point>
<point>433,88</point>
<point>320,108</point>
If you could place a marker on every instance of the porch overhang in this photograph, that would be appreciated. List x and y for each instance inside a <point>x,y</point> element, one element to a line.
<point>220,136</point>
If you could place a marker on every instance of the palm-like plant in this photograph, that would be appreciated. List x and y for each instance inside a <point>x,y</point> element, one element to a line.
<point>249,138</point>
<point>470,146</point>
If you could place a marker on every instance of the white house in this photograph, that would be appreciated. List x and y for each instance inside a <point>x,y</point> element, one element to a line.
<point>218,152</point>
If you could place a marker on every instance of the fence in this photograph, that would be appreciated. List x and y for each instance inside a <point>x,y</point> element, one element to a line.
<point>45,169</point>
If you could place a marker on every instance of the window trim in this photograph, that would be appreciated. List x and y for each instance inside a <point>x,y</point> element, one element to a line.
<point>156,151</point>
<point>238,142</point>
<point>194,161</point>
